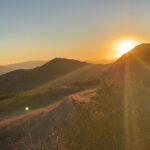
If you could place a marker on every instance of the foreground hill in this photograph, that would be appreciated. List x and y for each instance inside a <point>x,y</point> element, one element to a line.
<point>25,65</point>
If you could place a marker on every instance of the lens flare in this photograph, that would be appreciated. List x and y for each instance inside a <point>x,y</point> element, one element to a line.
<point>27,108</point>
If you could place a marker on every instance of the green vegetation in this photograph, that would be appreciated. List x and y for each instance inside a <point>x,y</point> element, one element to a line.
<point>116,119</point>
<point>96,125</point>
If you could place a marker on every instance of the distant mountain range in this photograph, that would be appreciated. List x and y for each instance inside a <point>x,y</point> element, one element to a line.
<point>24,65</point>
<point>136,61</point>
<point>33,64</point>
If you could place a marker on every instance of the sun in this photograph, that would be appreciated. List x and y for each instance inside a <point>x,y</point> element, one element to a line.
<point>125,46</point>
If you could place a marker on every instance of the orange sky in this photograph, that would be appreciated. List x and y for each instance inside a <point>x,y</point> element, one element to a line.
<point>81,50</point>
<point>83,30</point>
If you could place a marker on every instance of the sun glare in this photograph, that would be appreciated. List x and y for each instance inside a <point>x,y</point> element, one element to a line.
<point>125,46</point>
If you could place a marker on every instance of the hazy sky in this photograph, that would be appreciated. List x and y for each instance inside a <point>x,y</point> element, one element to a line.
<point>80,29</point>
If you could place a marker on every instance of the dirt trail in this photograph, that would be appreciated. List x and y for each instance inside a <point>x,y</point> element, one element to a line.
<point>83,96</point>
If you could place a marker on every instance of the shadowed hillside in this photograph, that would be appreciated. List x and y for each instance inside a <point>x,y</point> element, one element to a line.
<point>22,80</point>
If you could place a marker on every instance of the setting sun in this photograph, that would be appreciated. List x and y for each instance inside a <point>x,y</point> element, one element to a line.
<point>125,46</point>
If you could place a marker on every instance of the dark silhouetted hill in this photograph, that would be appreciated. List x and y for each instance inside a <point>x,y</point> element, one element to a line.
<point>22,80</point>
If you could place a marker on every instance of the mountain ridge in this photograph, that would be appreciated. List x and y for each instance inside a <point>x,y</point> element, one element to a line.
<point>136,62</point>
<point>22,80</point>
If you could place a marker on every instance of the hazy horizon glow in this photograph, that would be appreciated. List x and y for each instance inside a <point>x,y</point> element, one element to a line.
<point>84,30</point>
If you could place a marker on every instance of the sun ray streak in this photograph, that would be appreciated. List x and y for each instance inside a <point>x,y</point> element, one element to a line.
<point>131,128</point>
<point>146,66</point>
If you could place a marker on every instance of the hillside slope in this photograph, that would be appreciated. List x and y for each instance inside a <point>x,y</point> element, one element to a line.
<point>135,63</point>
<point>22,80</point>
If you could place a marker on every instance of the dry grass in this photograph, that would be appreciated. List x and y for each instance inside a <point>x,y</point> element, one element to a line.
<point>41,121</point>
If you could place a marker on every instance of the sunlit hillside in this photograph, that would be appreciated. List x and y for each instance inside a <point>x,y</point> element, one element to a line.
<point>74,75</point>
<point>79,101</point>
